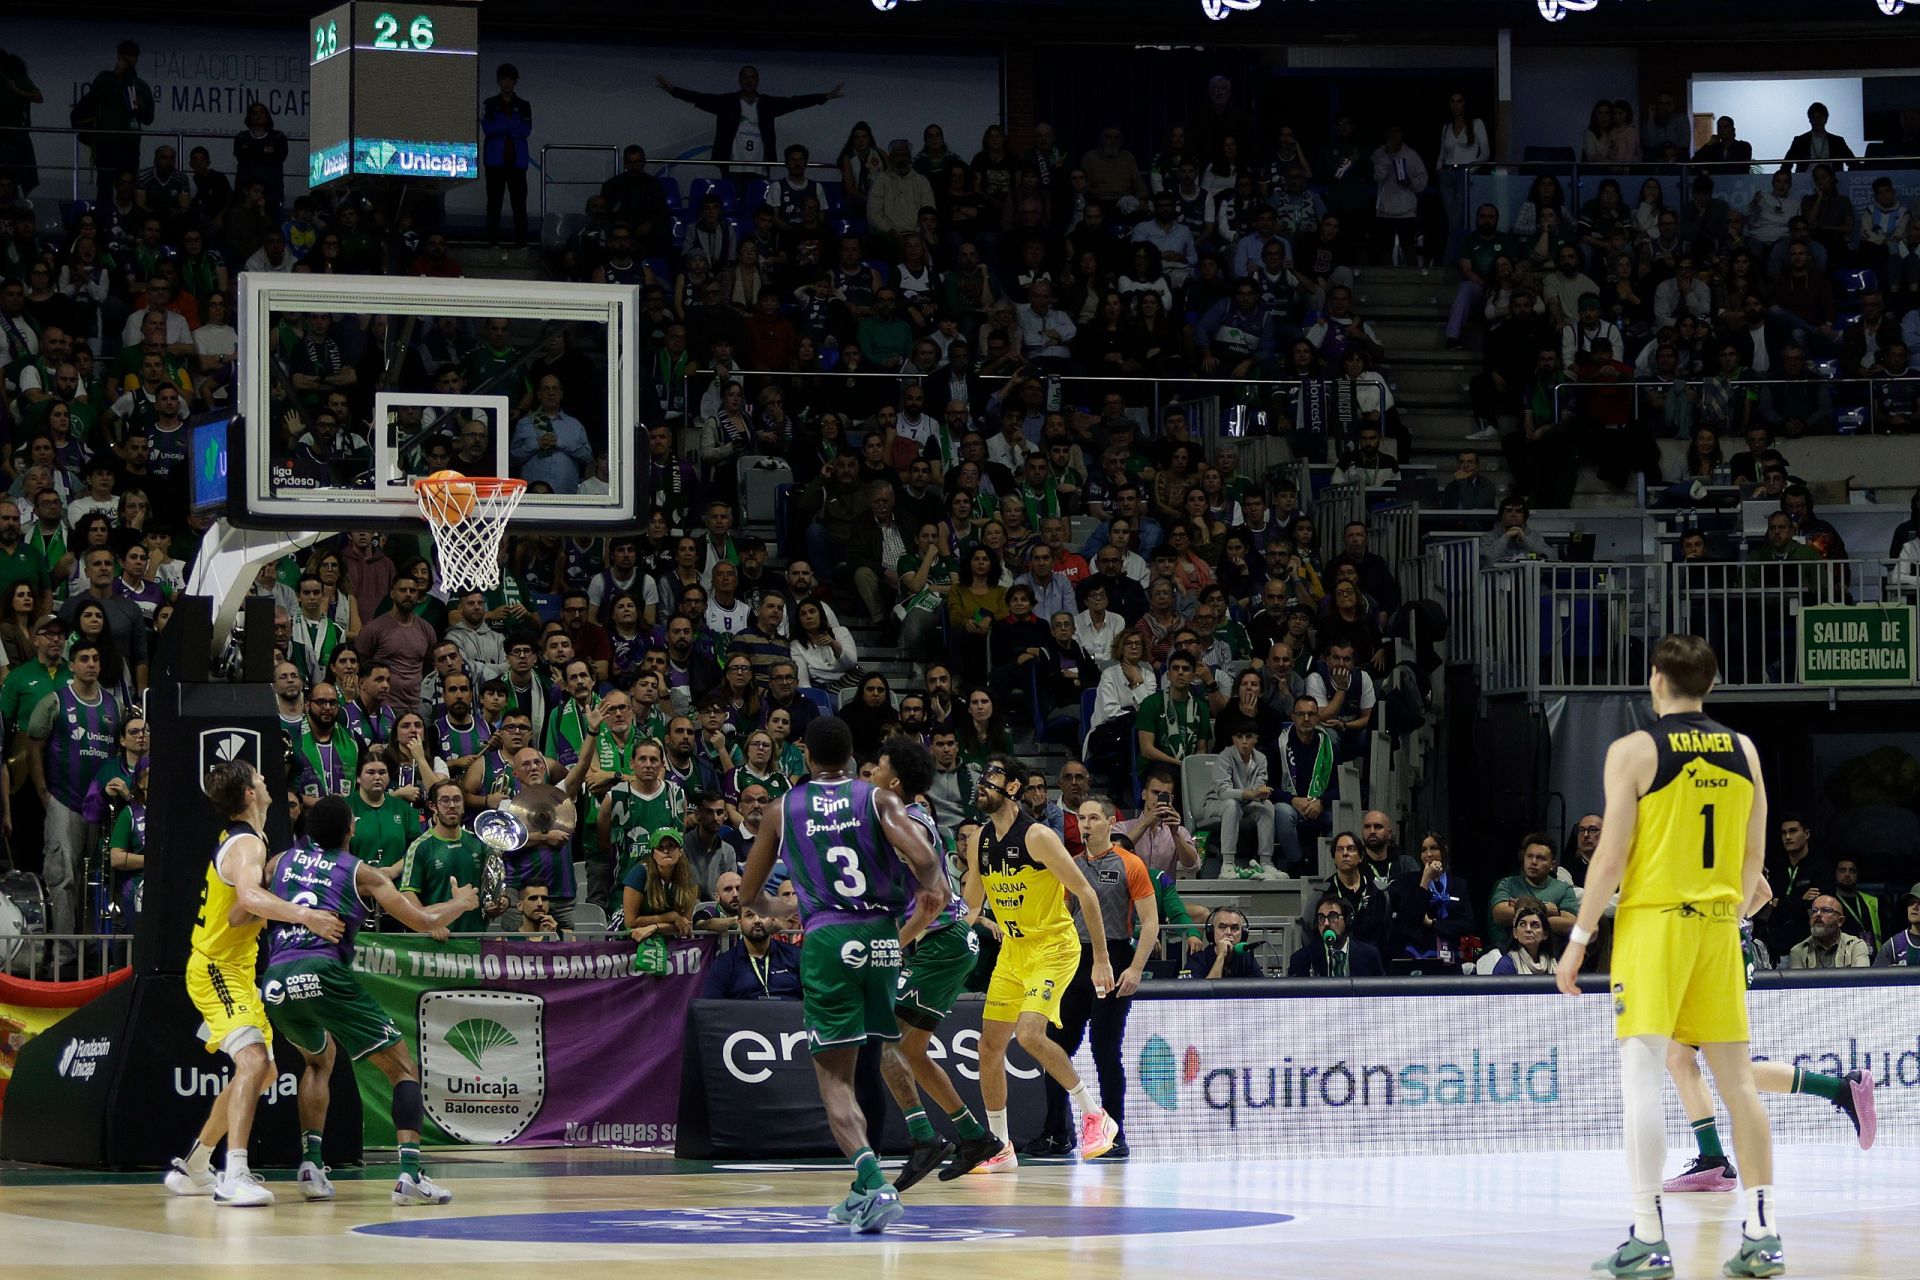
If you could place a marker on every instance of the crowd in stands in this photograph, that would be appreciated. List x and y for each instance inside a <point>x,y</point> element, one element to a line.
<point>1071,566</point>
<point>1689,308</point>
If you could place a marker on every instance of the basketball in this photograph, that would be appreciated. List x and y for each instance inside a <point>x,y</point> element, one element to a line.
<point>455,502</point>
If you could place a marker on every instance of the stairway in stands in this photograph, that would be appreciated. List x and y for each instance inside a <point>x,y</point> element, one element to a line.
<point>1407,307</point>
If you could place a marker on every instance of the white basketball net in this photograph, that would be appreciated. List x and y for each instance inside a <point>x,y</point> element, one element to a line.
<point>468,518</point>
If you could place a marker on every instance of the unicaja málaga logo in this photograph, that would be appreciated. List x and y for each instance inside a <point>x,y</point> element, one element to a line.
<point>474,1037</point>
<point>483,1062</point>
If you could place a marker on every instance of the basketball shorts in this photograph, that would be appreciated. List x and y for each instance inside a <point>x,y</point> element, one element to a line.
<point>1678,972</point>
<point>933,974</point>
<point>223,993</point>
<point>309,999</point>
<point>848,976</point>
<point>1031,976</point>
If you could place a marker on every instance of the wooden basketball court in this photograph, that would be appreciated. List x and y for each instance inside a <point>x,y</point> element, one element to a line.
<point>1846,1215</point>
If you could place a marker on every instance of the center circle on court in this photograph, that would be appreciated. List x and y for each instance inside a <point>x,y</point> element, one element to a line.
<point>791,1225</point>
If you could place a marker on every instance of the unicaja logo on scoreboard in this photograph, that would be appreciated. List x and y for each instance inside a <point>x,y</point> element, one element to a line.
<point>483,1062</point>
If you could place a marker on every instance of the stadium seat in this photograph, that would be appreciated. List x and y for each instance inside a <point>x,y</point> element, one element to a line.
<point>589,916</point>
<point>729,200</point>
<point>662,270</point>
<point>756,195</point>
<point>1828,369</point>
<point>1197,808</point>
<point>782,497</point>
<point>1851,422</point>
<point>1855,283</point>
<point>670,187</point>
<point>760,480</point>
<point>819,698</point>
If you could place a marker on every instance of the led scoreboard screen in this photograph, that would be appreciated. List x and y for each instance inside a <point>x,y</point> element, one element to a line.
<point>394,92</point>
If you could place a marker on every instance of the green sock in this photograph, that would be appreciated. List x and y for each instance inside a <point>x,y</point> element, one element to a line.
<point>918,1126</point>
<point>1708,1136</point>
<point>410,1160</point>
<point>1828,1087</point>
<point>866,1171</point>
<point>310,1143</point>
<point>969,1127</point>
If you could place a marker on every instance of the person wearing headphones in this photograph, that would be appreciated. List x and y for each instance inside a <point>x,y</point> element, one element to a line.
<point>1334,953</point>
<point>1229,951</point>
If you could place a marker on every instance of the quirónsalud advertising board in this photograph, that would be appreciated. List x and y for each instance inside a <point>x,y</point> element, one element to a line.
<point>1857,644</point>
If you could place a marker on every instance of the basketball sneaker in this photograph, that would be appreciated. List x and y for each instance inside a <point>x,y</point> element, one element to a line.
<point>972,1153</point>
<point>183,1181</point>
<point>1706,1173</point>
<point>875,1211</point>
<point>1007,1161</point>
<point>923,1160</point>
<point>1762,1257</point>
<point>248,1191</point>
<point>409,1189</point>
<point>1097,1132</point>
<point>1857,1101</point>
<point>842,1213</point>
<point>314,1182</point>
<point>1636,1258</point>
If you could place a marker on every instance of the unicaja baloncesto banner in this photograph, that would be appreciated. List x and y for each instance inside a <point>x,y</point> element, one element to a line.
<point>529,1042</point>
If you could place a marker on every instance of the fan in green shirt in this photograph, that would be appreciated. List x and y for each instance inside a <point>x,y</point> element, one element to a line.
<point>630,815</point>
<point>1174,723</point>
<point>447,854</point>
<point>20,561</point>
<point>383,827</point>
<point>29,682</point>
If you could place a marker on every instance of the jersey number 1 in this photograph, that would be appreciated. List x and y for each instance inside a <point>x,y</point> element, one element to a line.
<point>853,881</point>
<point>1706,840</point>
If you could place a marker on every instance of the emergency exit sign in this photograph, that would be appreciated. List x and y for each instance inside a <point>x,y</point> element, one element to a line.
<point>1857,644</point>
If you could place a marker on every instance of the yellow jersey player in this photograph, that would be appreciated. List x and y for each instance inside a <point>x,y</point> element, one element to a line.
<point>1683,839</point>
<point>1023,871</point>
<point>234,904</point>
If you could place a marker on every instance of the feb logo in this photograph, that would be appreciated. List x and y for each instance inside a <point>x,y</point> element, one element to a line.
<point>1162,1073</point>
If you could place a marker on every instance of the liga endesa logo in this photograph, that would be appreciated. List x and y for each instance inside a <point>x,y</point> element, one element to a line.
<point>1294,1085</point>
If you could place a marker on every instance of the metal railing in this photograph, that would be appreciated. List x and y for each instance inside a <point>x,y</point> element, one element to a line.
<point>64,957</point>
<point>80,170</point>
<point>1847,419</point>
<point>1506,185</point>
<point>1539,627</point>
<point>1393,534</point>
<point>555,155</point>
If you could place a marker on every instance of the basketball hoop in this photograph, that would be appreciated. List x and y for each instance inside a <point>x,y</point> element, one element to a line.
<point>468,516</point>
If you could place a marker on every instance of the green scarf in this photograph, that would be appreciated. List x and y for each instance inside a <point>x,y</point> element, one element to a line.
<point>1322,761</point>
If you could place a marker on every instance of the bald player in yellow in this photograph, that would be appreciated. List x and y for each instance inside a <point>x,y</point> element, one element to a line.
<point>234,904</point>
<point>1682,842</point>
<point>1024,872</point>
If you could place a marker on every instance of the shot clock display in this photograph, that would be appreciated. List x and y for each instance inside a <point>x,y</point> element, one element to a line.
<point>395,92</point>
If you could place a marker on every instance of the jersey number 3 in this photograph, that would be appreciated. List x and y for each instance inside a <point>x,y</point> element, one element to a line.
<point>853,881</point>
<point>1706,839</point>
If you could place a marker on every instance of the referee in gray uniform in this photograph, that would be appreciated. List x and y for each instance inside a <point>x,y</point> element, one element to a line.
<point>1126,894</point>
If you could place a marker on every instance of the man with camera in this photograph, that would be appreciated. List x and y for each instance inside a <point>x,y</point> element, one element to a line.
<point>1157,836</point>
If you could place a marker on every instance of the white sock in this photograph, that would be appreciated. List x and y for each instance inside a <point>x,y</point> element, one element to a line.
<point>237,1162</point>
<point>1083,1099</point>
<point>200,1159</point>
<point>1642,1075</point>
<point>1648,1227</point>
<point>1757,1219</point>
<point>997,1126</point>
